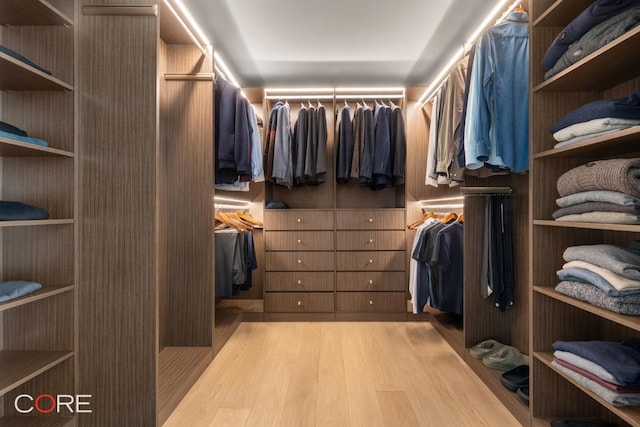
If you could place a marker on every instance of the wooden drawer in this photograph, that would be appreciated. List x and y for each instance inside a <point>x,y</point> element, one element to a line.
<point>371,281</point>
<point>299,261</point>
<point>299,240</point>
<point>371,240</point>
<point>298,220</point>
<point>371,261</point>
<point>370,220</point>
<point>299,282</point>
<point>298,302</point>
<point>371,302</point>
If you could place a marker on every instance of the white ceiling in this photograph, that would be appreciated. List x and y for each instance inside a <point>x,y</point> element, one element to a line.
<point>327,42</point>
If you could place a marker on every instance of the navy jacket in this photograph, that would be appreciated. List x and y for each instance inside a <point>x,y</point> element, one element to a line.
<point>621,108</point>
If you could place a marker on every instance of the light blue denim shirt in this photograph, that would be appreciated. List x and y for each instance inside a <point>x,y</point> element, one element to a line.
<point>497,122</point>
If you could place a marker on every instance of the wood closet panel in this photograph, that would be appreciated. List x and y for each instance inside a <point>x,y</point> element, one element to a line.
<point>371,281</point>
<point>299,241</point>
<point>299,302</point>
<point>187,159</point>
<point>374,240</point>
<point>118,249</point>
<point>371,261</point>
<point>379,219</point>
<point>299,281</point>
<point>299,261</point>
<point>371,302</point>
<point>298,220</point>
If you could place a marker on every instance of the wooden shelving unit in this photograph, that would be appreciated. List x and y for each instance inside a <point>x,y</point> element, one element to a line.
<point>609,73</point>
<point>38,330</point>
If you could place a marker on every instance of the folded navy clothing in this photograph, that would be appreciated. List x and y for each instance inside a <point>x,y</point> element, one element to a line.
<point>598,12</point>
<point>276,205</point>
<point>16,211</point>
<point>24,138</point>
<point>600,35</point>
<point>17,288</point>
<point>620,108</point>
<point>6,127</point>
<point>621,360</point>
<point>22,59</point>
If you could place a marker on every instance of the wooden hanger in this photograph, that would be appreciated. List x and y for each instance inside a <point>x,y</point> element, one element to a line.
<point>460,219</point>
<point>449,218</point>
<point>520,9</point>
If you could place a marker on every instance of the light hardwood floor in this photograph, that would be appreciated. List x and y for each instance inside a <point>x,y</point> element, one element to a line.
<point>339,374</point>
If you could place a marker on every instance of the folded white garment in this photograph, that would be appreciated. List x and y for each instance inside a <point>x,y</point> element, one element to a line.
<point>594,126</point>
<point>619,282</point>
<point>603,218</point>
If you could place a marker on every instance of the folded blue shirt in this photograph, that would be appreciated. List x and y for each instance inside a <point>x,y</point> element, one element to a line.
<point>621,108</point>
<point>622,361</point>
<point>6,127</point>
<point>24,138</point>
<point>22,59</point>
<point>16,211</point>
<point>15,289</point>
<point>598,12</point>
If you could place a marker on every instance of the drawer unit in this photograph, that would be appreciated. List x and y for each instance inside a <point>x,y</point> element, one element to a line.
<point>299,282</point>
<point>373,240</point>
<point>371,261</point>
<point>290,220</point>
<point>371,302</point>
<point>374,219</point>
<point>371,281</point>
<point>298,302</point>
<point>299,261</point>
<point>299,241</point>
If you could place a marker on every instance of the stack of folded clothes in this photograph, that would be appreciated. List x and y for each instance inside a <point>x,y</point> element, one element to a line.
<point>598,25</point>
<point>12,132</point>
<point>597,119</point>
<point>603,191</point>
<point>17,211</point>
<point>16,289</point>
<point>609,369</point>
<point>606,276</point>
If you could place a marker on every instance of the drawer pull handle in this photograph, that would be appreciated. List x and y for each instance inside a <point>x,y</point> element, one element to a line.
<point>299,241</point>
<point>370,261</point>
<point>371,282</point>
<point>370,302</point>
<point>370,219</point>
<point>299,261</point>
<point>299,302</point>
<point>299,282</point>
<point>370,240</point>
<point>299,220</point>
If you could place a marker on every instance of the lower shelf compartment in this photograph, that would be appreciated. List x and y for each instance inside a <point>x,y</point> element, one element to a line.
<point>19,366</point>
<point>30,421</point>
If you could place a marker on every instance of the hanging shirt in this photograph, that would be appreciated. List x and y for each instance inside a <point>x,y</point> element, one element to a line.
<point>447,260</point>
<point>345,145</point>
<point>270,141</point>
<point>497,126</point>
<point>321,149</point>
<point>382,162</point>
<point>358,141</point>
<point>282,160</point>
<point>310,162</point>
<point>399,139</point>
<point>300,145</point>
<point>368,146</point>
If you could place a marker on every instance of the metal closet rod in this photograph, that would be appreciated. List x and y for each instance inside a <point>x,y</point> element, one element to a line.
<point>379,96</point>
<point>486,191</point>
<point>303,97</point>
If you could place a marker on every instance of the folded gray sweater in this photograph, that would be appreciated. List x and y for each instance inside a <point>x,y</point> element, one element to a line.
<point>598,196</point>
<point>623,261</point>
<point>622,175</point>
<point>629,304</point>
<point>595,207</point>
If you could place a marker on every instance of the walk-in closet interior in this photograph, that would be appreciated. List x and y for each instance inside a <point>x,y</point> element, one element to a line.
<point>171,170</point>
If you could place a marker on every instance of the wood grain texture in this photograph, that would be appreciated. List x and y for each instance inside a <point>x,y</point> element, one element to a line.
<point>45,292</point>
<point>32,12</point>
<point>371,302</point>
<point>299,241</point>
<point>298,302</point>
<point>13,148</point>
<point>187,154</point>
<point>291,220</point>
<point>15,75</point>
<point>299,281</point>
<point>20,366</point>
<point>171,30</point>
<point>561,13</point>
<point>118,151</point>
<point>370,219</point>
<point>396,408</point>
<point>370,240</point>
<point>371,261</point>
<point>371,281</point>
<point>338,370</point>
<point>300,261</point>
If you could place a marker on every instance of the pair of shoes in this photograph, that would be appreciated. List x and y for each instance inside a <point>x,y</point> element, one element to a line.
<point>516,377</point>
<point>485,348</point>
<point>523,394</point>
<point>505,358</point>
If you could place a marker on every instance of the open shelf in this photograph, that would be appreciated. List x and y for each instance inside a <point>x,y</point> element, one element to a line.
<point>171,30</point>
<point>13,148</point>
<point>31,421</point>
<point>42,293</point>
<point>18,76</point>
<point>632,322</point>
<point>35,222</point>
<point>179,368</point>
<point>630,414</point>
<point>588,225</point>
<point>19,366</point>
<point>608,66</point>
<point>603,146</point>
<point>561,13</point>
<point>31,12</point>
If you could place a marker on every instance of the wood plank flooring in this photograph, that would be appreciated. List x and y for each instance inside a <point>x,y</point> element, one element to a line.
<point>339,374</point>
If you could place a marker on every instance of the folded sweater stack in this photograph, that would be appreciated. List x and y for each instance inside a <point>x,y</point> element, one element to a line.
<point>609,369</point>
<point>603,191</point>
<point>606,276</point>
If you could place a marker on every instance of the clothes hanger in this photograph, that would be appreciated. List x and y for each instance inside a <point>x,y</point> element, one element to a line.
<point>520,9</point>
<point>449,218</point>
<point>460,219</point>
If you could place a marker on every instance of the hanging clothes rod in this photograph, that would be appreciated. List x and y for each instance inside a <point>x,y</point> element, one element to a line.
<point>442,199</point>
<point>486,191</point>
<point>232,200</point>
<point>444,206</point>
<point>379,96</point>
<point>299,97</point>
